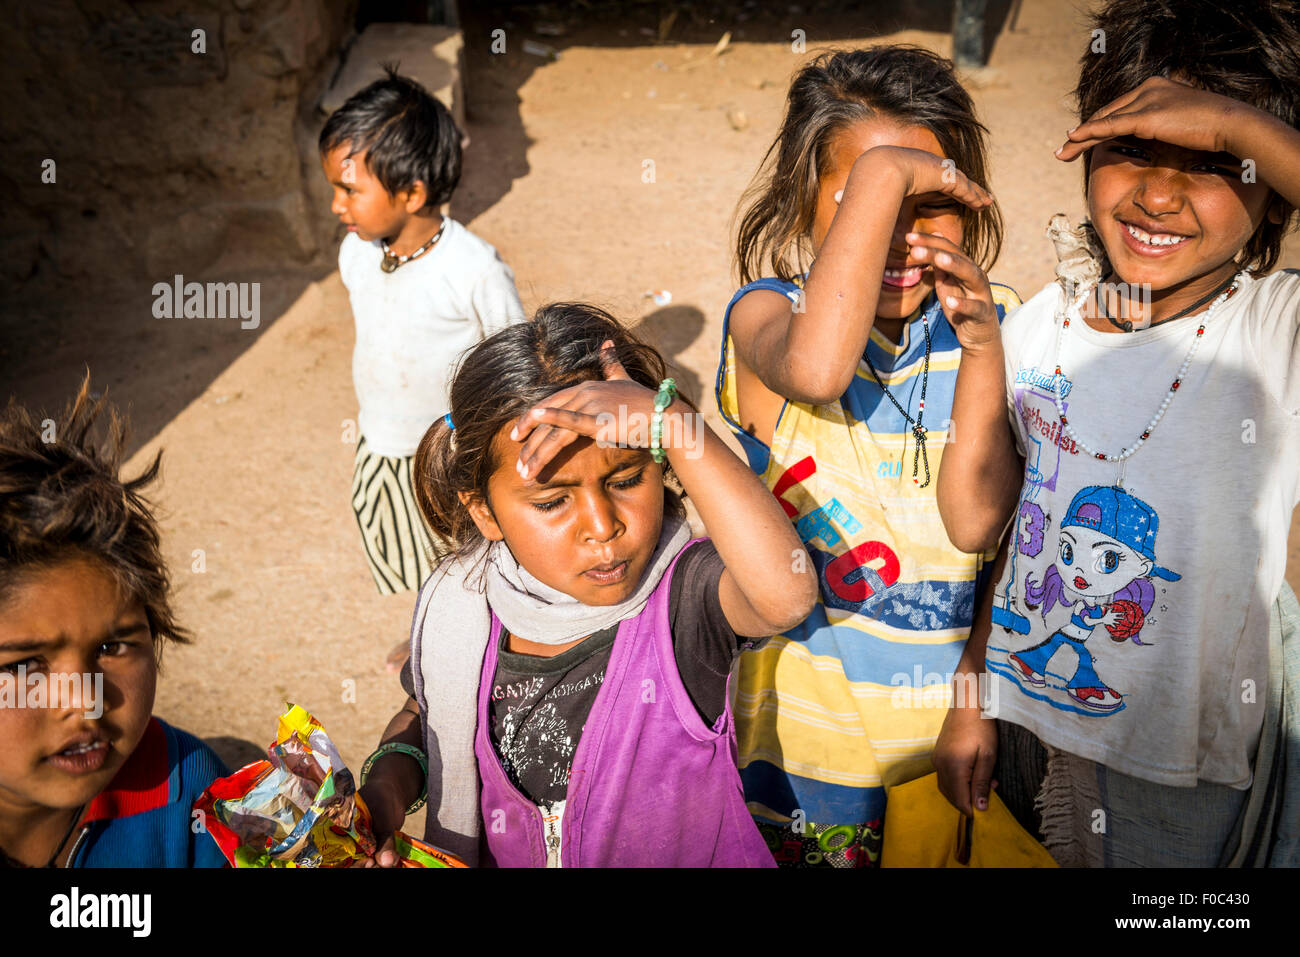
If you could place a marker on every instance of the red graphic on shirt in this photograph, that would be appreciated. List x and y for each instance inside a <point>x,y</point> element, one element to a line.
<point>856,560</point>
<point>1130,620</point>
<point>793,476</point>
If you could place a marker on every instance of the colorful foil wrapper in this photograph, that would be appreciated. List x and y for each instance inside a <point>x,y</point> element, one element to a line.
<point>300,808</point>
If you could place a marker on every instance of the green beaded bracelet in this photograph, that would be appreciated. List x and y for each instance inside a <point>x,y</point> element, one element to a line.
<point>410,751</point>
<point>663,399</point>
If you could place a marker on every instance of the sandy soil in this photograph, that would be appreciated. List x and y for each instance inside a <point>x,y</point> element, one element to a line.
<point>258,531</point>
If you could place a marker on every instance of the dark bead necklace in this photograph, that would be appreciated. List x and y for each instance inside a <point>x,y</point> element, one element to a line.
<point>920,457</point>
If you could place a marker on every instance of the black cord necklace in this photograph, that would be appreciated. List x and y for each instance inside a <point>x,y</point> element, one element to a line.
<point>918,430</point>
<point>1127,325</point>
<point>76,819</point>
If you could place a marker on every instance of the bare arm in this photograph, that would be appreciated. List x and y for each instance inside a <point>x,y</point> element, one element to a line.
<point>395,782</point>
<point>980,475</point>
<point>1275,148</point>
<point>1162,109</point>
<point>972,656</point>
<point>769,584</point>
<point>966,751</point>
<point>810,354</point>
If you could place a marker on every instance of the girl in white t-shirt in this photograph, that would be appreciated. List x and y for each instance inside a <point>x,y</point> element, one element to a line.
<point>1151,465</point>
<point>423,290</point>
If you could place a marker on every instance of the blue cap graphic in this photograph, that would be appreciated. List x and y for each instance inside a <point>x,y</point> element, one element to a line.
<point>1114,512</point>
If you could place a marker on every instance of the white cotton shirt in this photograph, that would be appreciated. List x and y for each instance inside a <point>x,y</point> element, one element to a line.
<point>412,326</point>
<point>1188,555</point>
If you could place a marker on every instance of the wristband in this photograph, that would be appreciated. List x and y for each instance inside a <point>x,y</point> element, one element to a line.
<point>397,747</point>
<point>663,399</point>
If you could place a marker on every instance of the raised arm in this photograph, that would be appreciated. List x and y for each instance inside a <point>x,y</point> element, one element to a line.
<point>980,474</point>
<point>1162,109</point>
<point>769,584</point>
<point>810,353</point>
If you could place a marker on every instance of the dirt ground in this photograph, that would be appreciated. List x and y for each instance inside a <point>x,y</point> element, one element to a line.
<point>263,545</point>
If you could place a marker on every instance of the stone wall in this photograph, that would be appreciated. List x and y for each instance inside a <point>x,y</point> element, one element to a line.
<point>172,150</point>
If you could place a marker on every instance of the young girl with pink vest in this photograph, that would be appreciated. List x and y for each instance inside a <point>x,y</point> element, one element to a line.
<point>570,661</point>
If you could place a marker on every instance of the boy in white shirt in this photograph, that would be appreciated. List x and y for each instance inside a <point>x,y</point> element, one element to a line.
<point>423,289</point>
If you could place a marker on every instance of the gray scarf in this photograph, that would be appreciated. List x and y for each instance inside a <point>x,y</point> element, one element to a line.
<point>449,637</point>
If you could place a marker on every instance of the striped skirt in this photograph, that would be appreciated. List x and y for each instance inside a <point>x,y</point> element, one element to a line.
<point>399,546</point>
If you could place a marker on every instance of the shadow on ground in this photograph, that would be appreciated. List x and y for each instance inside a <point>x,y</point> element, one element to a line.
<point>52,332</point>
<point>671,330</point>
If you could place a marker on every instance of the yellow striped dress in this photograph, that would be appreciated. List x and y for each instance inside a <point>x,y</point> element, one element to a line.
<point>849,703</point>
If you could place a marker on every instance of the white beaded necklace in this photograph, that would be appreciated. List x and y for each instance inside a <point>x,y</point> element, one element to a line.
<point>1125,453</point>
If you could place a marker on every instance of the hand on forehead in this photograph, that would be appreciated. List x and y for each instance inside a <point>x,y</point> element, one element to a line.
<point>582,460</point>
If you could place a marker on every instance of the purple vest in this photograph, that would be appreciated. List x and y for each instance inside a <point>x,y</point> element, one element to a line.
<point>651,784</point>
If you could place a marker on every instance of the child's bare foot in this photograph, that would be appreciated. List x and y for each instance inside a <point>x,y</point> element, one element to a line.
<point>397,656</point>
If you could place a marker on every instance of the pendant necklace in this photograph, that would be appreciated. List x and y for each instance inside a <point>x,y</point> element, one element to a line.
<point>918,430</point>
<point>390,262</point>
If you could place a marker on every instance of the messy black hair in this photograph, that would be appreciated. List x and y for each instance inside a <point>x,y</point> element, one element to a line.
<point>407,136</point>
<point>906,83</point>
<point>61,498</point>
<point>499,380</point>
<point>1248,50</point>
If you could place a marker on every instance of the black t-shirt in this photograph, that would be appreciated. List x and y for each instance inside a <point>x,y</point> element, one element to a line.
<point>539,705</point>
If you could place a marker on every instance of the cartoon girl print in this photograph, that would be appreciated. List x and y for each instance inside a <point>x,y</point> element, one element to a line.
<point>1105,562</point>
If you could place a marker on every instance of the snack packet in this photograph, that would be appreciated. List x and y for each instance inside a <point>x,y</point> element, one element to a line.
<point>300,808</point>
